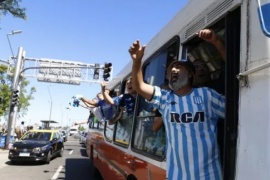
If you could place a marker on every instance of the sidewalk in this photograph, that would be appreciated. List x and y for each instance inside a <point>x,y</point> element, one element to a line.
<point>3,157</point>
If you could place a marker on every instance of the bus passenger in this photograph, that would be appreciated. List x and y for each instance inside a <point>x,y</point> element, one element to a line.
<point>106,110</point>
<point>203,74</point>
<point>210,36</point>
<point>126,102</point>
<point>190,117</point>
<point>94,112</point>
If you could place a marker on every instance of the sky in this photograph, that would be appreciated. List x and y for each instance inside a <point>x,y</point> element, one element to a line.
<point>95,31</point>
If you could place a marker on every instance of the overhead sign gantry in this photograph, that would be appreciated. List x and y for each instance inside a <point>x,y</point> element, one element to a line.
<point>52,71</point>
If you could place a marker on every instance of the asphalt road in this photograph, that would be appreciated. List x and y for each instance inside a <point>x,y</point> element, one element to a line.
<point>73,165</point>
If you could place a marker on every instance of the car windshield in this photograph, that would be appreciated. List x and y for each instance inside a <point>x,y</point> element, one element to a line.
<point>38,136</point>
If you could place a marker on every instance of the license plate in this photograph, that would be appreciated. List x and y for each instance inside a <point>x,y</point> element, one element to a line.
<point>24,154</point>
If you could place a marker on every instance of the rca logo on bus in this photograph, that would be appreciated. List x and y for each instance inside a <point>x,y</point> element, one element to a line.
<point>187,117</point>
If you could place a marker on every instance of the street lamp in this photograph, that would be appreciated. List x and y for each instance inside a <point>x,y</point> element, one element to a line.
<point>12,33</point>
<point>50,102</point>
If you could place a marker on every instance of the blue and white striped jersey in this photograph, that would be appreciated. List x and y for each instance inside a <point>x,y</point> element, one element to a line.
<point>191,127</point>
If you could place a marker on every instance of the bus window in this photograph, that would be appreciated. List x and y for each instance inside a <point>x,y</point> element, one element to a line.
<point>147,141</point>
<point>109,132</point>
<point>123,131</point>
<point>208,61</point>
<point>210,69</point>
<point>123,126</point>
<point>157,67</point>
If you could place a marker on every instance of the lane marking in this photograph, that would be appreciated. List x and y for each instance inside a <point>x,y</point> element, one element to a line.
<point>56,174</point>
<point>70,152</point>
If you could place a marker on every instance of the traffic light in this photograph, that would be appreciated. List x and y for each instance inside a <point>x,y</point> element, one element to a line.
<point>15,98</point>
<point>96,72</point>
<point>107,71</point>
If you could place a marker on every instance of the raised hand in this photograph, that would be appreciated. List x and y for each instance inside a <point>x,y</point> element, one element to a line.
<point>208,35</point>
<point>78,97</point>
<point>104,84</point>
<point>136,51</point>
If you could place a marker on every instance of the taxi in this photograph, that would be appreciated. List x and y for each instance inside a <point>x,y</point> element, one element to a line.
<point>37,145</point>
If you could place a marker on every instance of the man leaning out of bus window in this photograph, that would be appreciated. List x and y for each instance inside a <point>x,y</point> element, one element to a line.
<point>190,117</point>
<point>108,111</point>
<point>126,102</point>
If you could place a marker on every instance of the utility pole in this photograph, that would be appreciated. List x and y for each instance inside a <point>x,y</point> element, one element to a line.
<point>14,108</point>
<point>51,104</point>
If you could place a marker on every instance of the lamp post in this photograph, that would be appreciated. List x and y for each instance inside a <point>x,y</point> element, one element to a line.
<point>51,103</point>
<point>12,33</point>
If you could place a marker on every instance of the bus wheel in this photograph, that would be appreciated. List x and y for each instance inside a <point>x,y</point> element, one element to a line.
<point>131,177</point>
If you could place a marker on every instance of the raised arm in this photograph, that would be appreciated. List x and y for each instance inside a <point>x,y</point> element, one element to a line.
<point>79,123</point>
<point>210,36</point>
<point>157,124</point>
<point>105,94</point>
<point>86,105</point>
<point>89,102</point>
<point>136,52</point>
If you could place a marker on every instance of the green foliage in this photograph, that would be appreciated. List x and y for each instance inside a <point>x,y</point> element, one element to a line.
<point>81,128</point>
<point>6,91</point>
<point>12,7</point>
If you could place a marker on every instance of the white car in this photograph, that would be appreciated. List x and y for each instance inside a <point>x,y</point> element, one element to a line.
<point>73,131</point>
<point>83,139</point>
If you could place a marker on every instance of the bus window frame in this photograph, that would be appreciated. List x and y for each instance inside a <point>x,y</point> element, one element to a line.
<point>122,90</point>
<point>106,126</point>
<point>172,45</point>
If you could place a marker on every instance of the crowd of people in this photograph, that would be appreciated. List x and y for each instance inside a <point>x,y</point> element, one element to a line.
<point>19,130</point>
<point>192,150</point>
<point>107,108</point>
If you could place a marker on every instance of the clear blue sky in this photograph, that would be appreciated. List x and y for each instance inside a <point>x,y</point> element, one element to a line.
<point>95,31</point>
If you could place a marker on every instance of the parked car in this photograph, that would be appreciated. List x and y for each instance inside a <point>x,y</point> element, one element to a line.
<point>37,145</point>
<point>83,139</point>
<point>64,135</point>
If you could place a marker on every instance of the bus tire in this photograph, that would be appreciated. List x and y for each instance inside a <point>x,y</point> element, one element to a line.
<point>131,177</point>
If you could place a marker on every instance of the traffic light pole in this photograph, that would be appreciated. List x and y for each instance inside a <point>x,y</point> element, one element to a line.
<point>14,108</point>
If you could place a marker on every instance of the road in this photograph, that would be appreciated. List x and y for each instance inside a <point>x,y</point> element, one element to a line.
<point>73,165</point>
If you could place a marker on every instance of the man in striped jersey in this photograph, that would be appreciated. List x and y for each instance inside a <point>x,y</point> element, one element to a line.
<point>190,117</point>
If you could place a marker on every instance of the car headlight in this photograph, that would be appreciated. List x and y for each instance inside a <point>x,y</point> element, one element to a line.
<point>12,148</point>
<point>39,149</point>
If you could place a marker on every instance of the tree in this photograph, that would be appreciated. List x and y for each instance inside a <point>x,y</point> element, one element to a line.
<point>12,7</point>
<point>81,128</point>
<point>6,91</point>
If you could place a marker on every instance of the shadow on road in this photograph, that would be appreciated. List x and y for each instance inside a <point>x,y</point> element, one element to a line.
<point>81,169</point>
<point>83,152</point>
